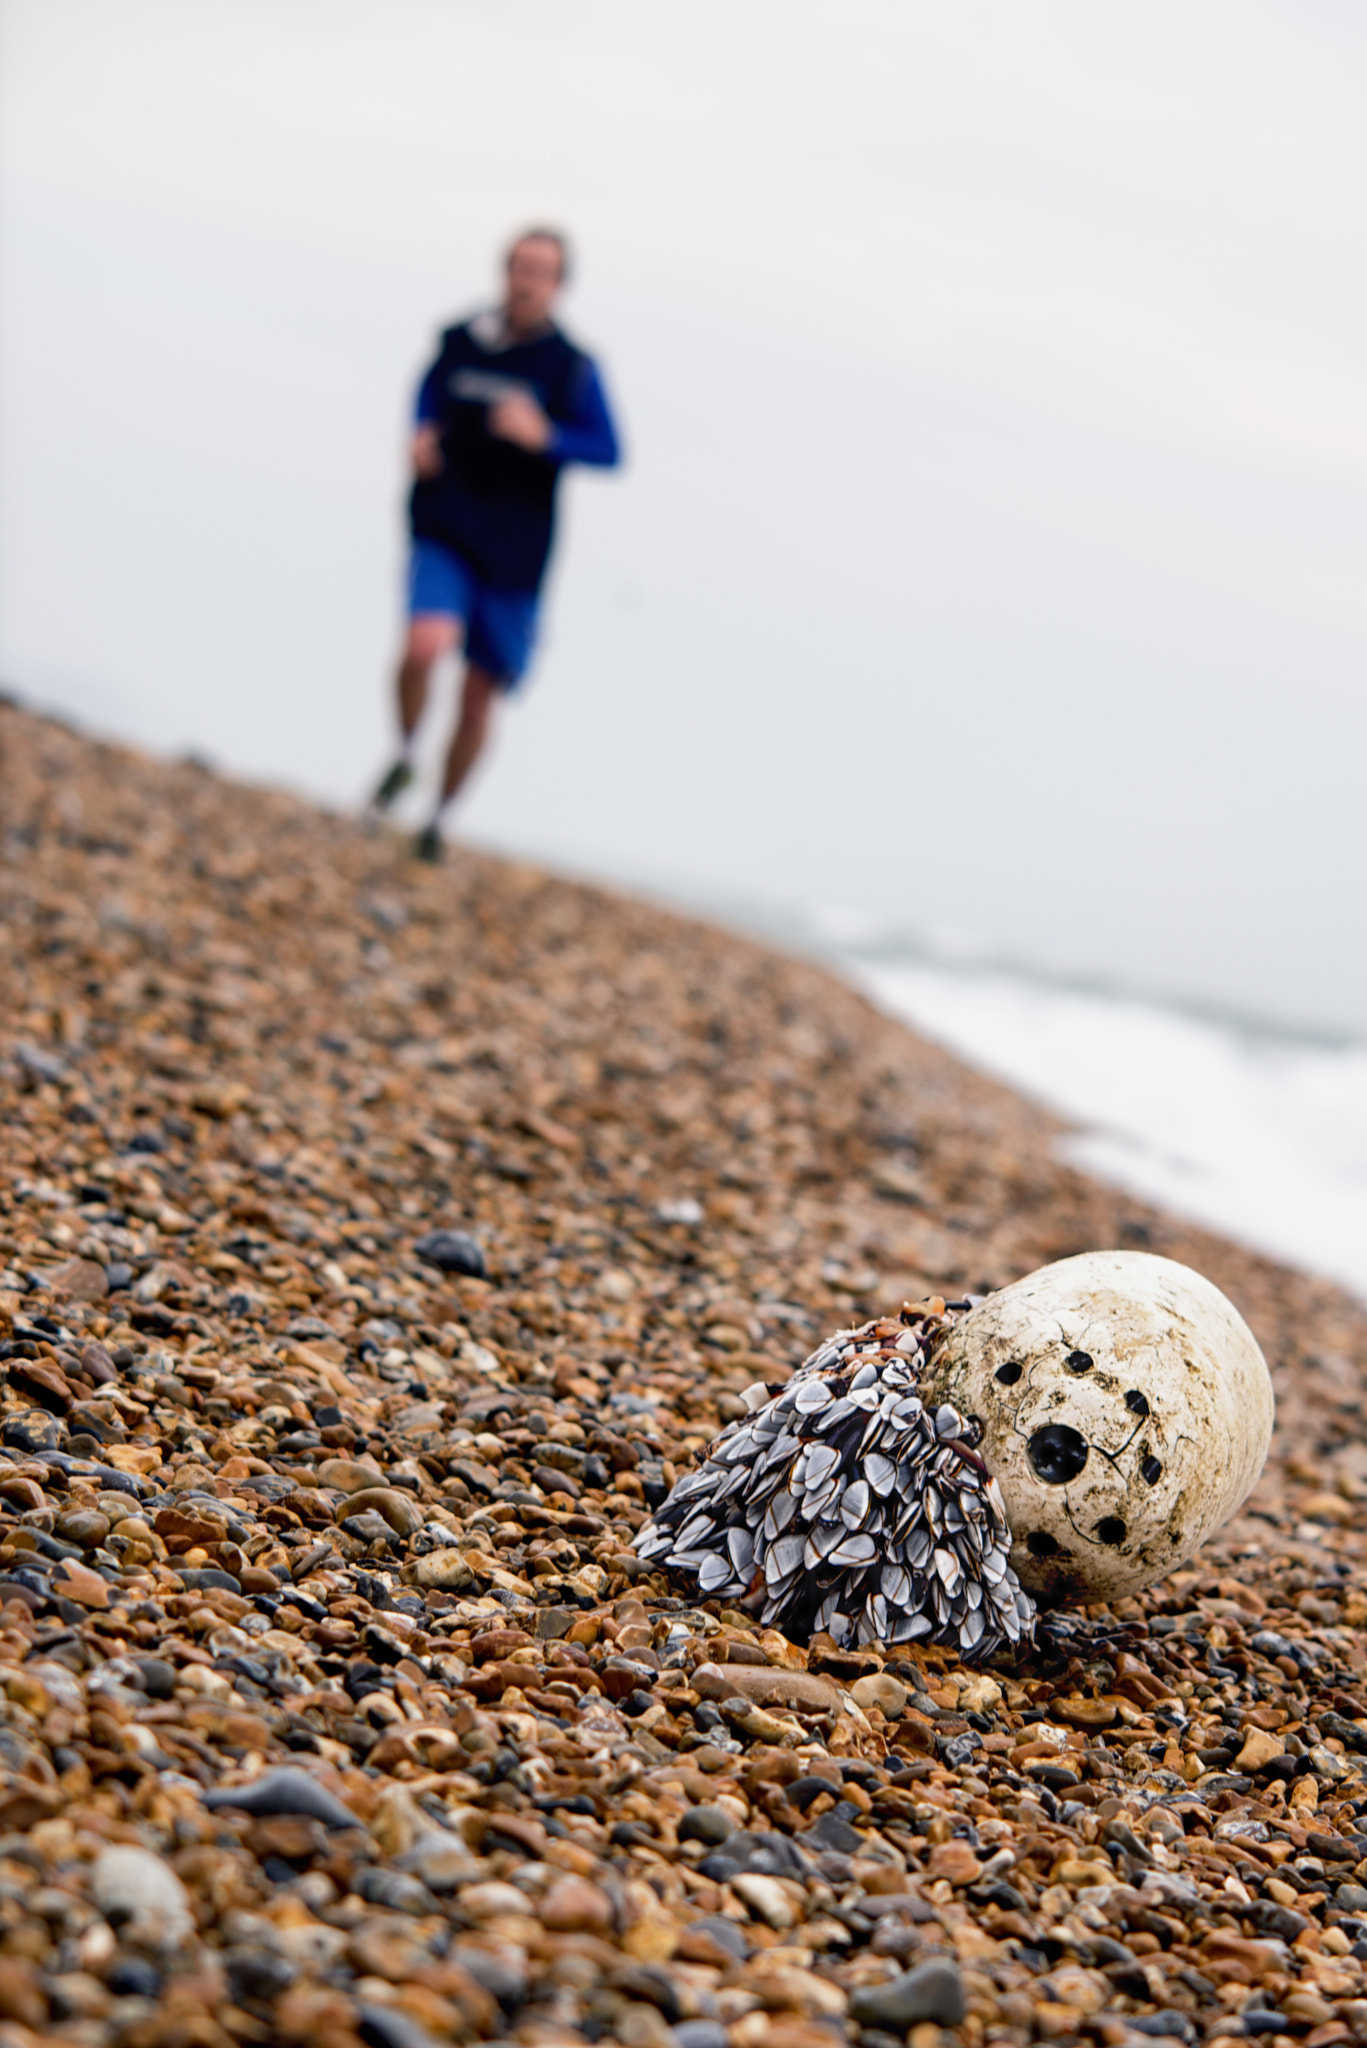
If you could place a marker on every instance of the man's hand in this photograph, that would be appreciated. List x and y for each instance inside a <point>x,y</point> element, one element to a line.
<point>426,454</point>
<point>520,419</point>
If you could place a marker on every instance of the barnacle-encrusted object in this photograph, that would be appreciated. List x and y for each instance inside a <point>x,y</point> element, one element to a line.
<point>845,1504</point>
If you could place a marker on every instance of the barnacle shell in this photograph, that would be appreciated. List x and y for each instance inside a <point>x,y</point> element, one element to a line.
<point>847,1503</point>
<point>1125,1409</point>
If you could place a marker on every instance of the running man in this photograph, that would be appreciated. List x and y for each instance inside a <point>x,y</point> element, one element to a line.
<point>507,403</point>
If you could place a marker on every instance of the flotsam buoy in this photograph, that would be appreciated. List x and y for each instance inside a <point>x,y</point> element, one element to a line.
<point>1077,1434</point>
<point>1124,1408</point>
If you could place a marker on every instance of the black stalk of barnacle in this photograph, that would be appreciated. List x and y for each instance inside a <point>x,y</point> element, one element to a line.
<point>843,1504</point>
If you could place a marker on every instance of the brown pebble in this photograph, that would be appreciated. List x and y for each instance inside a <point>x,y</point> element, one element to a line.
<point>21,1992</point>
<point>573,1906</point>
<point>350,1475</point>
<point>956,1861</point>
<point>79,1280</point>
<point>766,1687</point>
<point>1260,1746</point>
<point>880,1690</point>
<point>400,1510</point>
<point>79,1583</point>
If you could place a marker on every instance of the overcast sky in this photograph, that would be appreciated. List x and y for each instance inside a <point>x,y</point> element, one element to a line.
<point>991,548</point>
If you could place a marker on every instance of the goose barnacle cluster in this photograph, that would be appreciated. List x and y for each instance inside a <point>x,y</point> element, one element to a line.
<point>844,1503</point>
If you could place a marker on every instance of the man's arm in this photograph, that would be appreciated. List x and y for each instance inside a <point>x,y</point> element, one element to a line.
<point>427,409</point>
<point>425,450</point>
<point>589,434</point>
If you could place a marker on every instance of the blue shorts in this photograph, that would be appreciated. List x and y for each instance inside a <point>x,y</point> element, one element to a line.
<point>500,625</point>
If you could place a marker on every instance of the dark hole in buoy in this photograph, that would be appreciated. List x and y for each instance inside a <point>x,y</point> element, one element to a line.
<point>1040,1544</point>
<point>1152,1471</point>
<point>1136,1403</point>
<point>1079,1361</point>
<point>1111,1529</point>
<point>1057,1453</point>
<point>1007,1375</point>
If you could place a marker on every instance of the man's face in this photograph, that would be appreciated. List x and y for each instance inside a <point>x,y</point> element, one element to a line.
<point>533,275</point>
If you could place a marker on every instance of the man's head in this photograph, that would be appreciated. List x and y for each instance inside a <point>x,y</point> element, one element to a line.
<point>536,268</point>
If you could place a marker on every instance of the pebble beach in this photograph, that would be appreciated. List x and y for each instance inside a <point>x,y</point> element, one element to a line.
<point>378,1246</point>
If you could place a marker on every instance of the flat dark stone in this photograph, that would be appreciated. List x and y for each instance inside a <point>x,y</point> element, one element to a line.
<point>768,1855</point>
<point>504,1980</point>
<point>1169,2024</point>
<point>384,2026</point>
<point>15,1589</point>
<point>803,1791</point>
<point>284,1791</point>
<point>1335,1848</point>
<point>726,1933</point>
<point>158,1677</point>
<point>907,1905</point>
<point>700,2034</point>
<point>206,1579</point>
<point>934,1992</point>
<point>36,1432</point>
<point>270,1484</point>
<point>831,1832</point>
<point>706,1824</point>
<point>1056,1776</point>
<point>452,1251</point>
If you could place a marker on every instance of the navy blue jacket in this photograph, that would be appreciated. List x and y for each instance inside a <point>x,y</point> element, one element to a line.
<point>494,503</point>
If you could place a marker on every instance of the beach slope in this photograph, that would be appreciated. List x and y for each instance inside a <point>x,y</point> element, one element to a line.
<point>281,1494</point>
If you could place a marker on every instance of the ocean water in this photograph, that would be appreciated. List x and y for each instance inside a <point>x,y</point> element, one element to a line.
<point>1254,1131</point>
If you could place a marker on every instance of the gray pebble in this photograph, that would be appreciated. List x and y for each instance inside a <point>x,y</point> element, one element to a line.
<point>258,1975</point>
<point>935,1992</point>
<point>452,1251</point>
<point>391,1888</point>
<point>384,2026</point>
<point>727,1934</point>
<point>208,1579</point>
<point>706,1824</point>
<point>284,1791</point>
<point>769,1855</point>
<point>158,1677</point>
<point>369,1527</point>
<point>441,1860</point>
<point>700,2034</point>
<point>502,1976</point>
<point>829,1831</point>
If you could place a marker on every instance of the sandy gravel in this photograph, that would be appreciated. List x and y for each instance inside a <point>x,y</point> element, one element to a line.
<point>278,1495</point>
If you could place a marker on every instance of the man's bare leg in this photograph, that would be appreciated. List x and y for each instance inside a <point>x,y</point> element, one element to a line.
<point>472,730</point>
<point>430,636</point>
<point>467,744</point>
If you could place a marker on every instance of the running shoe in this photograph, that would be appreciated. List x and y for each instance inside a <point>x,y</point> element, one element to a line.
<point>393,786</point>
<point>427,846</point>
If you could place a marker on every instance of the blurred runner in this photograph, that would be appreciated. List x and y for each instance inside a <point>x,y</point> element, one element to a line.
<point>507,403</point>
